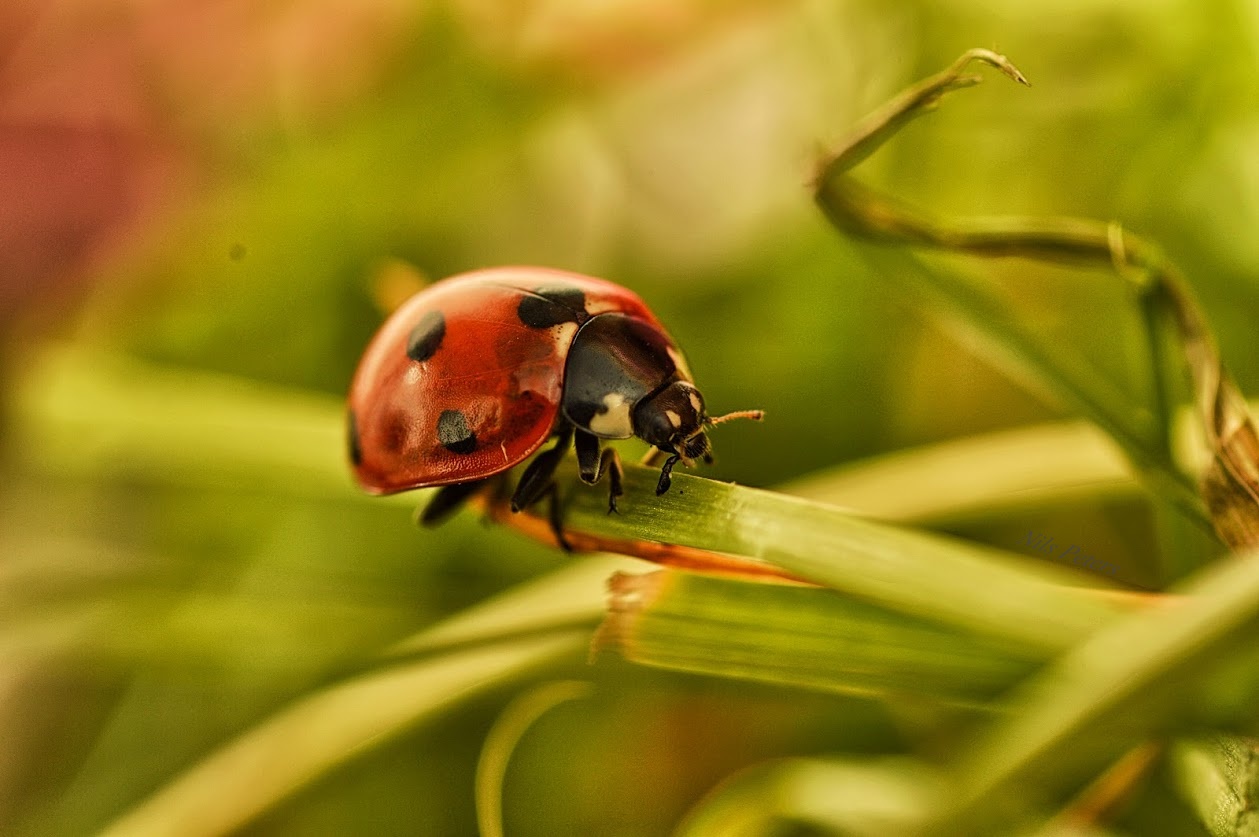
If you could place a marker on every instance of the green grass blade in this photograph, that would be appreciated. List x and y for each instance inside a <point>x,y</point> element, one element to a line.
<point>236,783</point>
<point>1128,682</point>
<point>951,582</point>
<point>803,636</point>
<point>487,645</point>
<point>982,476</point>
<point>1057,373</point>
<point>179,426</point>
<point>861,798</point>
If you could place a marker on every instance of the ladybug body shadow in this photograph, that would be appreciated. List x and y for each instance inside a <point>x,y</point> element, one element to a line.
<point>474,374</point>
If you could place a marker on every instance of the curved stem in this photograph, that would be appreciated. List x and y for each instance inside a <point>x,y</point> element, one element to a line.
<point>1163,296</point>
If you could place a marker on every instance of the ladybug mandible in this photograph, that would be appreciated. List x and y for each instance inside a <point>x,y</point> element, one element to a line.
<point>472,375</point>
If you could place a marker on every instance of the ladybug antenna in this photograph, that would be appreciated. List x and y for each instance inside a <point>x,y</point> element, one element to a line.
<point>754,415</point>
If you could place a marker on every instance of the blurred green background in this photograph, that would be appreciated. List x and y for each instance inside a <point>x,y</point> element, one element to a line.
<point>209,206</point>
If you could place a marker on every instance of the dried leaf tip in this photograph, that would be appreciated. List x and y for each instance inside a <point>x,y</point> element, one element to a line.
<point>993,59</point>
<point>628,594</point>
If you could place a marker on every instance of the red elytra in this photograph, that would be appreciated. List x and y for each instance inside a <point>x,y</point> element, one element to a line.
<point>473,374</point>
<point>504,377</point>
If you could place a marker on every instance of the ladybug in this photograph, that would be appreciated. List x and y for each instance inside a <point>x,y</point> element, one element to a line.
<point>472,375</point>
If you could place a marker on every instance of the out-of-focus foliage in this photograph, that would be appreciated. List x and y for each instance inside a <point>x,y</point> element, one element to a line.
<point>204,213</point>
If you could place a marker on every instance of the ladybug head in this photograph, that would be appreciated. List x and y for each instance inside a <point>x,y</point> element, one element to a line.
<point>675,421</point>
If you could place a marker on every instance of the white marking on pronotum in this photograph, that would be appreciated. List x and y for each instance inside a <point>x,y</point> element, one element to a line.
<point>695,402</point>
<point>614,422</point>
<point>674,418</point>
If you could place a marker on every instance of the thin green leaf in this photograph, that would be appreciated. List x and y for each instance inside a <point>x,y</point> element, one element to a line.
<point>484,646</point>
<point>1054,372</point>
<point>1131,680</point>
<point>951,582</point>
<point>236,783</point>
<point>803,636</point>
<point>984,475</point>
<point>874,798</point>
<point>178,426</point>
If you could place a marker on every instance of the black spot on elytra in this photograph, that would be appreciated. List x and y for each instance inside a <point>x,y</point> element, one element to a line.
<point>427,336</point>
<point>567,295</point>
<point>453,432</point>
<point>356,449</point>
<point>550,306</point>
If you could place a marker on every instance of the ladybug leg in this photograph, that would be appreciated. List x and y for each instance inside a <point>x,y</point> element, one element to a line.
<point>538,476</point>
<point>592,464</point>
<point>666,474</point>
<point>448,500</point>
<point>610,461</point>
<point>552,493</point>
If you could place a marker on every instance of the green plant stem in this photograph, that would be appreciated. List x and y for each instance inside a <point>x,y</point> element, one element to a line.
<point>861,211</point>
<point>503,737</point>
<point>952,582</point>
